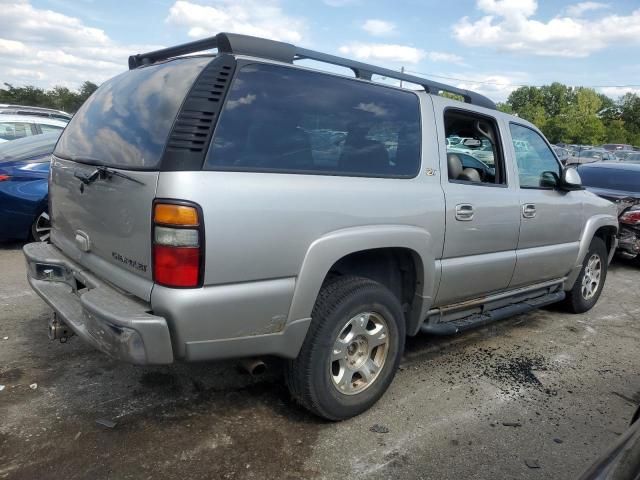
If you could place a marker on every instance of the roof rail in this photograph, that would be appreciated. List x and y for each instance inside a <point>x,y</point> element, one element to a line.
<point>237,44</point>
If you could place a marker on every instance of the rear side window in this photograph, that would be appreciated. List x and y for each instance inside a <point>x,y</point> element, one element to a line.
<point>127,121</point>
<point>280,119</point>
<point>13,130</point>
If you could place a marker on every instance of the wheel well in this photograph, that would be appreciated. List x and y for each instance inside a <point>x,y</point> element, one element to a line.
<point>607,234</point>
<point>398,269</point>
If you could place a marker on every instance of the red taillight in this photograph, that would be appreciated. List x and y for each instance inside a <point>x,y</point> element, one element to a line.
<point>4,177</point>
<point>631,217</point>
<point>177,245</point>
<point>176,266</point>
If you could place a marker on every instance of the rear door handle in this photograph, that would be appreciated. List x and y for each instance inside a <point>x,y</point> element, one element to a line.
<point>464,212</point>
<point>528,210</point>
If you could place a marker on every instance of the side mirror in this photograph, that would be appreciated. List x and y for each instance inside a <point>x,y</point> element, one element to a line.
<point>549,180</point>
<point>570,179</point>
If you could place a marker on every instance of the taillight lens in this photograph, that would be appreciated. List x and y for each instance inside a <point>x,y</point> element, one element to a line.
<point>4,177</point>
<point>177,245</point>
<point>630,217</point>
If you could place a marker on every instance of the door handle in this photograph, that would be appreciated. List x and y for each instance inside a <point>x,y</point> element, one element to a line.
<point>464,212</point>
<point>528,210</point>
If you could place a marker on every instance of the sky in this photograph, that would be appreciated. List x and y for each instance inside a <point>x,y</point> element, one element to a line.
<point>491,46</point>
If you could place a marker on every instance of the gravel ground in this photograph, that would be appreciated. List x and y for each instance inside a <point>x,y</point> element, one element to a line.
<point>537,396</point>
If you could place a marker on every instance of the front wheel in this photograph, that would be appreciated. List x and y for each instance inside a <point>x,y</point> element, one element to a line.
<point>588,287</point>
<point>352,350</point>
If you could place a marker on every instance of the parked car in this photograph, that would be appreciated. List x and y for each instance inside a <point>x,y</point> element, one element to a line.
<point>621,461</point>
<point>614,147</point>
<point>191,220</point>
<point>18,126</point>
<point>6,109</point>
<point>618,182</point>
<point>24,170</point>
<point>629,157</point>
<point>562,153</point>
<point>591,155</point>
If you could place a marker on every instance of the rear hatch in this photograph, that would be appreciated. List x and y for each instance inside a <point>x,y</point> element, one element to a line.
<point>105,170</point>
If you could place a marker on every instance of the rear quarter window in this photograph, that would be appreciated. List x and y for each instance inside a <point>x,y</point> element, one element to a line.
<point>280,119</point>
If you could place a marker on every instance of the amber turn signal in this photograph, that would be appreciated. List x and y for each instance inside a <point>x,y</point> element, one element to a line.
<point>171,214</point>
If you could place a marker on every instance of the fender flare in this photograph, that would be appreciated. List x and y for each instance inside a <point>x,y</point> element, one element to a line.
<point>592,225</point>
<point>331,247</point>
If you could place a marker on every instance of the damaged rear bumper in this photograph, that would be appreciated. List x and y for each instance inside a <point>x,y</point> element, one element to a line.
<point>113,322</point>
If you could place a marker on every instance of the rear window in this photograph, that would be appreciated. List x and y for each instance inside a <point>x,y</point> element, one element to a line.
<point>127,121</point>
<point>610,178</point>
<point>280,119</point>
<point>29,147</point>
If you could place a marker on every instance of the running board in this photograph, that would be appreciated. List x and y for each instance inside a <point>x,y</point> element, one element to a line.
<point>452,327</point>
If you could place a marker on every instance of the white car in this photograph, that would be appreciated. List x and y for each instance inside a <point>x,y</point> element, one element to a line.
<point>19,126</point>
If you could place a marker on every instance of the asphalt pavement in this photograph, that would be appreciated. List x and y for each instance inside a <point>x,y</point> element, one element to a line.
<point>538,396</point>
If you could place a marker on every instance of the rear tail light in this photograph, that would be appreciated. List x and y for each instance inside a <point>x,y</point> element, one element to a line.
<point>178,238</point>
<point>4,177</point>
<point>631,217</point>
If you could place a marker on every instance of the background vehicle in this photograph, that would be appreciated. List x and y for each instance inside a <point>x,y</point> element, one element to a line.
<point>24,171</point>
<point>6,109</point>
<point>613,147</point>
<point>618,182</point>
<point>237,230</point>
<point>629,157</point>
<point>591,155</point>
<point>13,127</point>
<point>562,153</point>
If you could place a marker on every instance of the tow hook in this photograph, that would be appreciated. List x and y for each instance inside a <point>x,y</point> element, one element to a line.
<point>58,330</point>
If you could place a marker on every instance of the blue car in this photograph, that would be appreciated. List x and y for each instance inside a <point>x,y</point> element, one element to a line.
<point>24,173</point>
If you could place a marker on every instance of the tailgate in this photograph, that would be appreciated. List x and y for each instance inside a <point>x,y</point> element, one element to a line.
<point>105,225</point>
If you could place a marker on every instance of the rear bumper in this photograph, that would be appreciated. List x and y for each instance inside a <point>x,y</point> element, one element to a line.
<point>113,322</point>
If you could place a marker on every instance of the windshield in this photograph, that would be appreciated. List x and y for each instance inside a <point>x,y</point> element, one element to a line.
<point>28,147</point>
<point>127,121</point>
<point>624,180</point>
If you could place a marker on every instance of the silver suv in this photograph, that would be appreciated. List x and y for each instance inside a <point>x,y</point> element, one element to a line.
<point>238,204</point>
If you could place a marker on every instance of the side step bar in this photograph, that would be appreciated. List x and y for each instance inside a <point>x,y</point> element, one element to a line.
<point>479,319</point>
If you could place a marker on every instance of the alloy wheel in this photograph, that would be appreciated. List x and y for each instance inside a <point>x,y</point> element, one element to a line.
<point>359,353</point>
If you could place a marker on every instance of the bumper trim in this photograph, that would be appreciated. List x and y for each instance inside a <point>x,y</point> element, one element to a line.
<point>113,322</point>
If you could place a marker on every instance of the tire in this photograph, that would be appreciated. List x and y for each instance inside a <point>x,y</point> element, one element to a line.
<point>41,228</point>
<point>321,384</point>
<point>581,297</point>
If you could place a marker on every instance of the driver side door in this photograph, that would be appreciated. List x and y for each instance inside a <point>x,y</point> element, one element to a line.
<point>551,219</point>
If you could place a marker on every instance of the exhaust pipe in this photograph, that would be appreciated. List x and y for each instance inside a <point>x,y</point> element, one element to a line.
<point>253,366</point>
<point>58,330</point>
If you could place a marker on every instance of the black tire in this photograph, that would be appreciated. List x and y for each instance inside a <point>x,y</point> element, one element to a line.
<point>576,301</point>
<point>310,377</point>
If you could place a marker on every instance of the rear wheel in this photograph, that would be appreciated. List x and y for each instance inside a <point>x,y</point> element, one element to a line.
<point>41,228</point>
<point>588,287</point>
<point>352,349</point>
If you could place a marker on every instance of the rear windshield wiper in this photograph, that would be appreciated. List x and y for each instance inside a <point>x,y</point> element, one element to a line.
<point>103,173</point>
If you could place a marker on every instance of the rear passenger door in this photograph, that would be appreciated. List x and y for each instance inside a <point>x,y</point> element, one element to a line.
<point>551,219</point>
<point>482,210</point>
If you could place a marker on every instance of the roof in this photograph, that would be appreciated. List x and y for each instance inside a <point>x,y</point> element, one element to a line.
<point>8,117</point>
<point>612,165</point>
<point>237,44</point>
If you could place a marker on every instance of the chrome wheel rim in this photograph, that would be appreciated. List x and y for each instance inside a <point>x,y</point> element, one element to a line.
<point>591,277</point>
<point>42,227</point>
<point>359,353</point>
